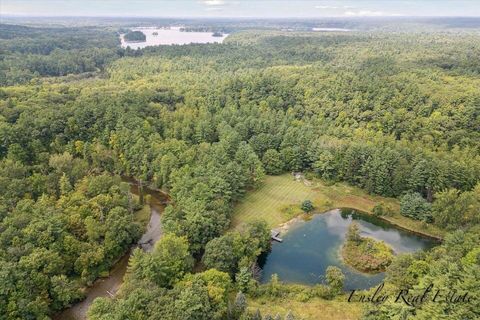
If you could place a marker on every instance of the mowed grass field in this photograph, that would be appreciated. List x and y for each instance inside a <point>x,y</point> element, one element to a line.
<point>279,198</point>
<point>313,309</point>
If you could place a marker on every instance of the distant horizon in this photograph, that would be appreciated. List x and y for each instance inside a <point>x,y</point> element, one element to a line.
<point>244,18</point>
<point>245,9</point>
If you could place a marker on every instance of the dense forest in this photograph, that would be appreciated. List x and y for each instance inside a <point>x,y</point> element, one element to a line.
<point>395,113</point>
<point>27,53</point>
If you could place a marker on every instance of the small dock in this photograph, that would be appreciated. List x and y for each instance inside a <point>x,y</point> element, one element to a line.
<point>275,234</point>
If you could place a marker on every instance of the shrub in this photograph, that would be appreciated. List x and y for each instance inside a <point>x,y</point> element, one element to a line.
<point>335,279</point>
<point>413,205</point>
<point>382,209</point>
<point>307,206</point>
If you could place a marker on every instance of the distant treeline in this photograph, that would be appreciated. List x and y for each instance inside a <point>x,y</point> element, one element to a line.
<point>206,123</point>
<point>27,53</point>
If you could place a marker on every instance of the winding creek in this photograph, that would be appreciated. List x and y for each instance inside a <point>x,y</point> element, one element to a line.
<point>309,247</point>
<point>105,287</point>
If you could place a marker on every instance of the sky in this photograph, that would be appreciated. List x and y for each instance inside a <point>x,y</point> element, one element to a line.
<point>241,8</point>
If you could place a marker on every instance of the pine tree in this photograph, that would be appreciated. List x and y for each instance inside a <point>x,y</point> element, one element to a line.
<point>353,233</point>
<point>65,185</point>
<point>240,304</point>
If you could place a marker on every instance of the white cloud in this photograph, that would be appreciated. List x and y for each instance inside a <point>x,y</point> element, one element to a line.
<point>326,7</point>
<point>365,13</point>
<point>333,7</point>
<point>214,2</point>
<point>213,9</point>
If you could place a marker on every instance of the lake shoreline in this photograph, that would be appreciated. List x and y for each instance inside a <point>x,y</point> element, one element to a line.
<point>170,36</point>
<point>310,247</point>
<point>285,226</point>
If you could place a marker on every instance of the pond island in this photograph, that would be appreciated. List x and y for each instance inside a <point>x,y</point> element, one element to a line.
<point>365,254</point>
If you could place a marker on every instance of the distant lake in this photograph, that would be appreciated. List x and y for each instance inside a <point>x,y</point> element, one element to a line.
<point>331,29</point>
<point>309,247</point>
<point>171,36</point>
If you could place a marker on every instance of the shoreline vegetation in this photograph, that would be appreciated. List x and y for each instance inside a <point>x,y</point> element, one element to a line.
<point>135,36</point>
<point>313,308</point>
<point>278,202</point>
<point>365,254</point>
<point>142,216</point>
<point>325,120</point>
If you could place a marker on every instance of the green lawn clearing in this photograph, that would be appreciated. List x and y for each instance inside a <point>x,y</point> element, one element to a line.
<point>279,198</point>
<point>313,309</point>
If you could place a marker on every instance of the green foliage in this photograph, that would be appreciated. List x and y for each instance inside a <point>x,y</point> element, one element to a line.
<point>447,268</point>
<point>234,251</point>
<point>365,254</point>
<point>134,36</point>
<point>258,236</point>
<point>272,162</point>
<point>353,233</point>
<point>240,305</point>
<point>414,206</point>
<point>52,247</point>
<point>396,274</point>
<point>166,265</point>
<point>307,206</point>
<point>335,279</point>
<point>218,286</point>
<point>197,296</point>
<point>382,209</point>
<point>244,279</point>
<point>274,286</point>
<point>205,123</point>
<point>453,209</point>
<point>28,53</point>
<point>220,254</point>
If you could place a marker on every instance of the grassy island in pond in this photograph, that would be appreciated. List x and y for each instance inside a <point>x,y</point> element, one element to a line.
<point>365,254</point>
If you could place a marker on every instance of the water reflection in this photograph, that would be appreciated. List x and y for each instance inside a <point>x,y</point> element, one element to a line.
<point>311,246</point>
<point>170,36</point>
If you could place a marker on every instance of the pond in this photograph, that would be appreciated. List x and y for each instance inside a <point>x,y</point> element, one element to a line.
<point>170,36</point>
<point>309,247</point>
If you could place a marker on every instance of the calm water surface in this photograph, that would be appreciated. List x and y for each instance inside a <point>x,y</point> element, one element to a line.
<point>309,247</point>
<point>171,36</point>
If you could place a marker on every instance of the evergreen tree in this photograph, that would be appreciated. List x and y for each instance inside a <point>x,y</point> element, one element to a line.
<point>353,233</point>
